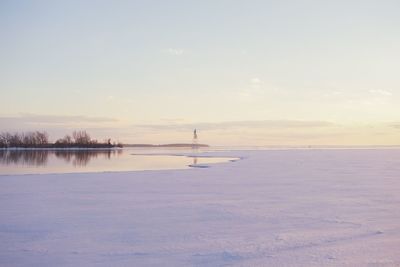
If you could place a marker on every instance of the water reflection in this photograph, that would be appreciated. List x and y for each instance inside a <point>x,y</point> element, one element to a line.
<point>15,162</point>
<point>41,157</point>
<point>31,157</point>
<point>83,157</point>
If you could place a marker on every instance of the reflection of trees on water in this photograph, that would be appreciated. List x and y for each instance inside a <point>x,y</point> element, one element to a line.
<point>27,157</point>
<point>83,157</point>
<point>40,157</point>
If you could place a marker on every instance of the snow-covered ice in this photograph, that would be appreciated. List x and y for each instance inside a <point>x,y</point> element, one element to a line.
<point>333,207</point>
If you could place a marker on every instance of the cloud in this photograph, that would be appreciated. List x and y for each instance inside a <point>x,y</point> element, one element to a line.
<point>24,121</point>
<point>258,92</point>
<point>252,92</point>
<point>110,98</point>
<point>175,51</point>
<point>255,81</point>
<point>264,124</point>
<point>380,92</point>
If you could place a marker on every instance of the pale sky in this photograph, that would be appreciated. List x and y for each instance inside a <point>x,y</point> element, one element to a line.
<point>242,72</point>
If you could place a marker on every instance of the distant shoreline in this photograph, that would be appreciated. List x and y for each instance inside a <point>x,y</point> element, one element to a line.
<point>105,147</point>
<point>166,145</point>
<point>58,148</point>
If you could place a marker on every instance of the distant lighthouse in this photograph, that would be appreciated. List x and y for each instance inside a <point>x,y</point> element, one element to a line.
<point>195,139</point>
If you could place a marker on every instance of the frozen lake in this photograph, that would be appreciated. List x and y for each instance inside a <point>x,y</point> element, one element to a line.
<point>75,161</point>
<point>310,208</point>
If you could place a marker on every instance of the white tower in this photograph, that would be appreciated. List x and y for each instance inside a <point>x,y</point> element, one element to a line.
<point>195,139</point>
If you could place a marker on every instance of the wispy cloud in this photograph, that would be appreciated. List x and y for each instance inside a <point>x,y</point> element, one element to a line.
<point>175,51</point>
<point>395,125</point>
<point>256,90</point>
<point>110,98</point>
<point>30,120</point>
<point>380,92</point>
<point>255,81</point>
<point>264,124</point>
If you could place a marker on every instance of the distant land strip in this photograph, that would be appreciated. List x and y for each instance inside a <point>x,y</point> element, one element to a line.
<point>40,140</point>
<point>166,145</point>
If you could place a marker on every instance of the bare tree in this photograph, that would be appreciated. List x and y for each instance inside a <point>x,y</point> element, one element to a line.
<point>29,139</point>
<point>15,140</point>
<point>41,139</point>
<point>63,142</point>
<point>81,137</point>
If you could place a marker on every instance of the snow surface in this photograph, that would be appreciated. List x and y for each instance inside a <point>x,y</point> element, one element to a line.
<point>272,208</point>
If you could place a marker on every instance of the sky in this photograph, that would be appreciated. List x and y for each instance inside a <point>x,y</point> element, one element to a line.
<point>241,72</point>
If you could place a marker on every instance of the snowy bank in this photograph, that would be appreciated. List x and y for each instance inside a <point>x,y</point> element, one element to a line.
<point>272,208</point>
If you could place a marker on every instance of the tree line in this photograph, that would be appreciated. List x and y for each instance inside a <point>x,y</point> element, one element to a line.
<point>37,139</point>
